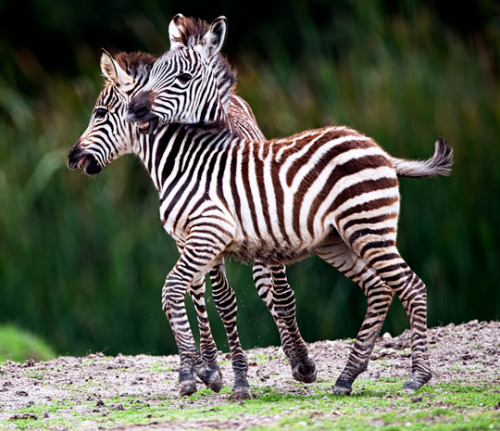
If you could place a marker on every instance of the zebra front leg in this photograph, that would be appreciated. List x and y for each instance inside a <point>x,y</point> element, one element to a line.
<point>173,306</point>
<point>200,251</point>
<point>284,310</point>
<point>206,368</point>
<point>225,302</point>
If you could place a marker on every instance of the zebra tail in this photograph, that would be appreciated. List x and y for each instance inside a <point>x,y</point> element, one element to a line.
<point>438,165</point>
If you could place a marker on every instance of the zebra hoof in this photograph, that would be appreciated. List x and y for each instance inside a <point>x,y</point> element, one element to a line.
<point>417,380</point>
<point>305,372</point>
<point>215,382</point>
<point>240,393</point>
<point>188,387</point>
<point>211,377</point>
<point>342,387</point>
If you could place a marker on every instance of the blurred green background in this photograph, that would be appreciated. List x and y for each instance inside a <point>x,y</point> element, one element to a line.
<point>83,260</point>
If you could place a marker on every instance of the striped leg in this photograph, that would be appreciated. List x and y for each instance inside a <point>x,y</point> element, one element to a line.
<point>264,284</point>
<point>380,253</point>
<point>283,311</point>
<point>278,296</point>
<point>379,297</point>
<point>413,295</point>
<point>199,253</point>
<point>225,302</point>
<point>206,368</point>
<point>172,303</point>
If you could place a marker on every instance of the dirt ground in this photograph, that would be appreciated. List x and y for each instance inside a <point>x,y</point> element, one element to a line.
<point>469,353</point>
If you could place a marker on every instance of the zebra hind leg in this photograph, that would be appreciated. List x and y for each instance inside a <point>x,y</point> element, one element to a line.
<point>379,297</point>
<point>412,293</point>
<point>283,310</point>
<point>413,296</point>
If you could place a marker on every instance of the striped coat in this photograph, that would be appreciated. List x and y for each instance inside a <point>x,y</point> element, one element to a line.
<point>333,192</point>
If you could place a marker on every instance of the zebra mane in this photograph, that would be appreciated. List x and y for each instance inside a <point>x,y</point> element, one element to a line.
<point>191,33</point>
<point>136,64</point>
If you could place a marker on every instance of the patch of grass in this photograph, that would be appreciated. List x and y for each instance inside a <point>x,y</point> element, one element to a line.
<point>159,367</point>
<point>447,406</point>
<point>263,358</point>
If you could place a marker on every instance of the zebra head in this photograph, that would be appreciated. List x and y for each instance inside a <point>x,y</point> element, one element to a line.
<point>108,136</point>
<point>191,83</point>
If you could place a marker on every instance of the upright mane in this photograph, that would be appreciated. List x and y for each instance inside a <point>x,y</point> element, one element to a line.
<point>136,64</point>
<point>191,33</point>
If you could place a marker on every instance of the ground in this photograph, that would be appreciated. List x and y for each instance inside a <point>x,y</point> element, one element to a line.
<point>141,392</point>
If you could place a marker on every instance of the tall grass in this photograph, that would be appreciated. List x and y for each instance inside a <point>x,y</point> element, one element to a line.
<point>83,260</point>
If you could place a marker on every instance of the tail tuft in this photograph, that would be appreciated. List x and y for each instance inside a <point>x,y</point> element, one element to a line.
<point>438,165</point>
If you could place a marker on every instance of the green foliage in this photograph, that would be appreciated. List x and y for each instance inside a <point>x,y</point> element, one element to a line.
<point>83,260</point>
<point>18,346</point>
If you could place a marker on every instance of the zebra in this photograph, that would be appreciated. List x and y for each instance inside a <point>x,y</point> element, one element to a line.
<point>331,191</point>
<point>108,136</point>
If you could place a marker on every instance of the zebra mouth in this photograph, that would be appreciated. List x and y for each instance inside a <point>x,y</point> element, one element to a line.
<point>82,160</point>
<point>146,127</point>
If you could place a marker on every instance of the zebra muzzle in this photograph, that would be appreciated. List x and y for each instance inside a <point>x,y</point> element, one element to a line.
<point>83,160</point>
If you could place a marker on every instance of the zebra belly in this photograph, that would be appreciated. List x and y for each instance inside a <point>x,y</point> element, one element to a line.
<point>270,250</point>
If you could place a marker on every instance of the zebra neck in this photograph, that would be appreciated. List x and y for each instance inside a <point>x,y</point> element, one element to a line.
<point>170,152</point>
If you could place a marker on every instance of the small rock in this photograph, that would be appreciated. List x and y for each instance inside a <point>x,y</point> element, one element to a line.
<point>24,416</point>
<point>100,403</point>
<point>29,363</point>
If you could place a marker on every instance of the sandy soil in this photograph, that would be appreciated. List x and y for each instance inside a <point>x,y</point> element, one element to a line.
<point>469,353</point>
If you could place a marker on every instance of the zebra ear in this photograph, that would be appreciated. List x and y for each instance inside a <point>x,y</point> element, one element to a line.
<point>215,38</point>
<point>112,71</point>
<point>175,31</point>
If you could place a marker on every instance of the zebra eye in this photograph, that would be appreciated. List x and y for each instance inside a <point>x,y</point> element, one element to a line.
<point>100,112</point>
<point>184,77</point>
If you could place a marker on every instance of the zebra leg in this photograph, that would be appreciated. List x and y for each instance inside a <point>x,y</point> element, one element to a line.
<point>379,297</point>
<point>303,368</point>
<point>380,252</point>
<point>172,304</point>
<point>199,253</point>
<point>225,302</point>
<point>264,284</point>
<point>206,368</point>
<point>413,296</point>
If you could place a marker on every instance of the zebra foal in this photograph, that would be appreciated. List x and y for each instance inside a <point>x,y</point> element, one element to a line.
<point>108,137</point>
<point>331,191</point>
